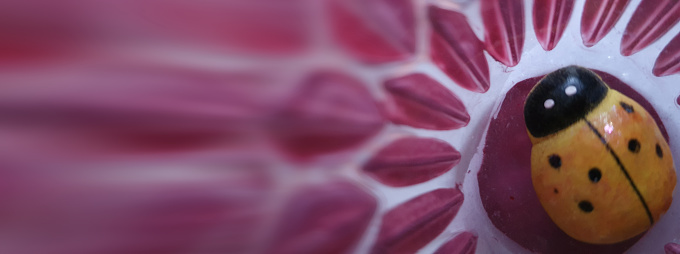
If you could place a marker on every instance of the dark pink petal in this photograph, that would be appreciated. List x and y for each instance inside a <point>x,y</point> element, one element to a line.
<point>504,29</point>
<point>329,112</point>
<point>668,61</point>
<point>457,50</point>
<point>107,110</point>
<point>419,101</point>
<point>325,218</point>
<point>651,20</point>
<point>463,243</point>
<point>374,31</point>
<point>672,248</point>
<point>550,19</point>
<point>599,17</point>
<point>505,186</point>
<point>261,25</point>
<point>131,207</point>
<point>412,160</point>
<point>68,27</point>
<point>413,224</point>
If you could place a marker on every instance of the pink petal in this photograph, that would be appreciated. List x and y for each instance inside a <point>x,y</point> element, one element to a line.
<point>106,110</point>
<point>599,17</point>
<point>419,101</point>
<point>651,20</point>
<point>413,224</point>
<point>672,248</point>
<point>374,31</point>
<point>131,207</point>
<point>68,27</point>
<point>457,51</point>
<point>412,160</point>
<point>262,25</point>
<point>504,29</point>
<point>668,61</point>
<point>550,20</point>
<point>463,243</point>
<point>505,186</point>
<point>325,218</point>
<point>329,112</point>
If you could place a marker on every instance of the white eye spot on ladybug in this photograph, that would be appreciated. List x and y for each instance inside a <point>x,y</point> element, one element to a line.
<point>549,103</point>
<point>570,90</point>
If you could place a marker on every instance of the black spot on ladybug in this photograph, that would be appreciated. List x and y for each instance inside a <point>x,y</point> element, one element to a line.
<point>627,107</point>
<point>659,152</point>
<point>594,175</point>
<point>623,169</point>
<point>585,206</point>
<point>572,91</point>
<point>556,191</point>
<point>634,146</point>
<point>555,161</point>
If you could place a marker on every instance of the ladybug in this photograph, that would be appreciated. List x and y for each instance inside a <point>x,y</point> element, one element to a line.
<point>600,166</point>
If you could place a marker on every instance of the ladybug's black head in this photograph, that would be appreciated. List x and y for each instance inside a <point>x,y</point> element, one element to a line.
<point>562,98</point>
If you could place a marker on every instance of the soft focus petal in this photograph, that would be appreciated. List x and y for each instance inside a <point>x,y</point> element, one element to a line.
<point>323,218</point>
<point>104,110</point>
<point>419,101</point>
<point>668,61</point>
<point>672,248</point>
<point>412,160</point>
<point>169,206</point>
<point>374,31</point>
<point>642,31</point>
<point>413,224</point>
<point>463,243</point>
<point>329,112</point>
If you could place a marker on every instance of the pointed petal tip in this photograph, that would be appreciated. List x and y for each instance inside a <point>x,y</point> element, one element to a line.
<point>457,51</point>
<point>419,101</point>
<point>412,160</point>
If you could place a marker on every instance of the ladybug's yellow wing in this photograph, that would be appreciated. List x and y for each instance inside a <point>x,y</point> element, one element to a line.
<point>634,136</point>
<point>585,194</point>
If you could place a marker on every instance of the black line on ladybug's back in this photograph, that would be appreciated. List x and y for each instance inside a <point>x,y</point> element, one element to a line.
<point>623,169</point>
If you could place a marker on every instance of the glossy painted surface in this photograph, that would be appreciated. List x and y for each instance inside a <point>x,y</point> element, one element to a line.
<point>612,195</point>
<point>505,186</point>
